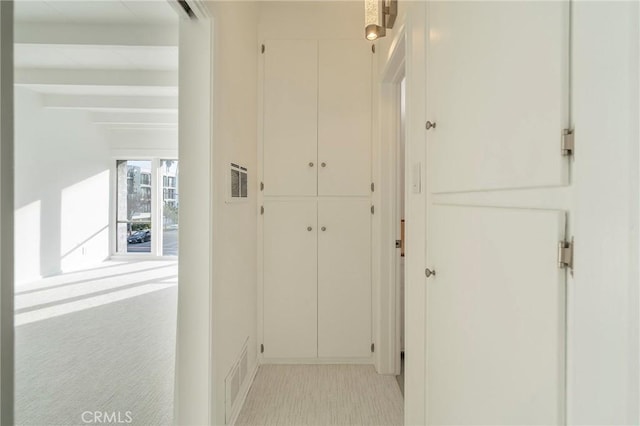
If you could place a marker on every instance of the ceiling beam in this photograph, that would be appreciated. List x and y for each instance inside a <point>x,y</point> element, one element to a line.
<point>168,119</point>
<point>93,77</point>
<point>96,34</point>
<point>112,103</point>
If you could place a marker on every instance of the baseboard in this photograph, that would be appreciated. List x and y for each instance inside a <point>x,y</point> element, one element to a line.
<point>313,361</point>
<point>246,387</point>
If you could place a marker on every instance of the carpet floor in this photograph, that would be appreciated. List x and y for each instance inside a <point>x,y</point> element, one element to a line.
<point>322,395</point>
<point>99,341</point>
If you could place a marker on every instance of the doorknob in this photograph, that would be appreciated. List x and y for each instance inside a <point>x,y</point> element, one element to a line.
<point>324,164</point>
<point>311,164</point>
<point>428,272</point>
<point>324,228</point>
<point>431,125</point>
<point>309,228</point>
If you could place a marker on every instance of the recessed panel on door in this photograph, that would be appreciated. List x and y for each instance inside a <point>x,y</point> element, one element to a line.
<point>290,117</point>
<point>498,93</point>
<point>344,117</point>
<point>344,278</point>
<point>290,279</point>
<point>495,317</point>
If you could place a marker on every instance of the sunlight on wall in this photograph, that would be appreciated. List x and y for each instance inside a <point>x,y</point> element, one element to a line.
<point>27,246</point>
<point>84,223</point>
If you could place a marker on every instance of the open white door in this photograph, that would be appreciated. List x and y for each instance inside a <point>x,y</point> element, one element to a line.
<point>495,317</point>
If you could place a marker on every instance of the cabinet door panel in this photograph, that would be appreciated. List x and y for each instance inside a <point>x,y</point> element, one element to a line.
<point>290,117</point>
<point>497,88</point>
<point>290,279</point>
<point>495,317</point>
<point>344,117</point>
<point>344,278</point>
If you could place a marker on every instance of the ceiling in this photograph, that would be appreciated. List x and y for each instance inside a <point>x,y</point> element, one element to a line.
<point>117,59</point>
<point>95,11</point>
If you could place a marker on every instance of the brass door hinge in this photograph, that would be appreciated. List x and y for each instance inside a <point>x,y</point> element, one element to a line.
<point>568,142</point>
<point>565,254</point>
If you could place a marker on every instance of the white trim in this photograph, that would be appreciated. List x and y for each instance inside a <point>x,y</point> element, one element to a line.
<point>6,215</point>
<point>246,387</point>
<point>317,361</point>
<point>144,154</point>
<point>194,396</point>
<point>389,107</point>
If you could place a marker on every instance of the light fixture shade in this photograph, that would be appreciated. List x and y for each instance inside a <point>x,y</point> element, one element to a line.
<point>374,19</point>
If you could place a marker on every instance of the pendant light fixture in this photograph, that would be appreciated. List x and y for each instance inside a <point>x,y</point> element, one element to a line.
<point>378,16</point>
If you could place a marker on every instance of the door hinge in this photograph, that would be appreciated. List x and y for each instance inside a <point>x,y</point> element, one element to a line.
<point>373,209</point>
<point>373,187</point>
<point>261,209</point>
<point>565,254</point>
<point>262,49</point>
<point>261,186</point>
<point>261,348</point>
<point>373,48</point>
<point>568,142</point>
<point>373,347</point>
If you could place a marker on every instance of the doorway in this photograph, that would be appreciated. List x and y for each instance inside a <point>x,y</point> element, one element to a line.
<point>400,228</point>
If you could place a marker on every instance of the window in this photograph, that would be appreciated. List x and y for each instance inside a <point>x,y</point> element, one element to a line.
<point>147,205</point>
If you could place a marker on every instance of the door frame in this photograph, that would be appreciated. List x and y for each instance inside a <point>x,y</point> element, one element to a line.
<point>388,360</point>
<point>6,215</point>
<point>194,398</point>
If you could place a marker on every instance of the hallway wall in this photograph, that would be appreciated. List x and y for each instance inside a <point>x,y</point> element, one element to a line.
<point>62,165</point>
<point>234,224</point>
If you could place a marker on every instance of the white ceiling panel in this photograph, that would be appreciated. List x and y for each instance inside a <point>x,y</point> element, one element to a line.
<point>154,58</point>
<point>95,11</point>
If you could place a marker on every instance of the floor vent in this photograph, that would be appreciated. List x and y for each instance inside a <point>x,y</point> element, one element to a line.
<point>234,380</point>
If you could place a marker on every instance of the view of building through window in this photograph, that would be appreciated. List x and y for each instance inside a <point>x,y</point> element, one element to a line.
<point>170,203</point>
<point>136,195</point>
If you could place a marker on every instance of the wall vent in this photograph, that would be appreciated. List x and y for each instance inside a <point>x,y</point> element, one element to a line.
<point>234,380</point>
<point>237,187</point>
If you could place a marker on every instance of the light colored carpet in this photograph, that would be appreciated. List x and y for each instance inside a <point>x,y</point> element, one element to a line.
<point>321,395</point>
<point>101,340</point>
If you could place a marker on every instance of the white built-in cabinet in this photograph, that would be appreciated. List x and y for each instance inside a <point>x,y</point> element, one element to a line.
<point>317,118</point>
<point>316,175</point>
<point>498,209</point>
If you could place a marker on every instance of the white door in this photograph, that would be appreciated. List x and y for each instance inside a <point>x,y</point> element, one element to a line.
<point>344,278</point>
<point>344,117</point>
<point>290,279</point>
<point>290,117</point>
<point>495,317</point>
<point>498,92</point>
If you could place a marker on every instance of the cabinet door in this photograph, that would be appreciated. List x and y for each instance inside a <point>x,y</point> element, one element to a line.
<point>495,317</point>
<point>498,90</point>
<point>290,279</point>
<point>344,278</point>
<point>290,117</point>
<point>344,117</point>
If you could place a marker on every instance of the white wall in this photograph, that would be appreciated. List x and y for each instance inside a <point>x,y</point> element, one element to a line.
<point>6,213</point>
<point>603,346</point>
<point>62,166</point>
<point>234,228</point>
